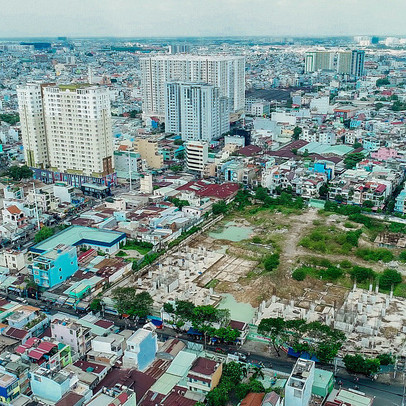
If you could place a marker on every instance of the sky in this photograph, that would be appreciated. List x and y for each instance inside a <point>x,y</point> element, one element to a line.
<point>167,18</point>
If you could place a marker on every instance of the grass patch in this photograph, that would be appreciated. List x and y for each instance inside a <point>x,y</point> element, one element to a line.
<point>142,247</point>
<point>374,255</point>
<point>212,284</point>
<point>330,240</point>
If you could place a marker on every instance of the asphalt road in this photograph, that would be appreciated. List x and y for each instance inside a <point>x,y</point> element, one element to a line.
<point>385,394</point>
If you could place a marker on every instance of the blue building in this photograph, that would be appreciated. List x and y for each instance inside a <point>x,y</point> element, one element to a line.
<point>400,202</point>
<point>55,266</point>
<point>142,347</point>
<point>323,167</point>
<point>48,385</point>
<point>9,388</point>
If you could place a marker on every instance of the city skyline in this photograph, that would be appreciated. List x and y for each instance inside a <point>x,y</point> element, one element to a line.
<point>176,18</point>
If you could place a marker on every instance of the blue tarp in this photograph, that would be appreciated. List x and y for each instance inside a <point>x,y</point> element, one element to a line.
<point>304,355</point>
<point>192,331</point>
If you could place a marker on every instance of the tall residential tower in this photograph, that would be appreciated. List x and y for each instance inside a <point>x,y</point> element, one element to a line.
<point>67,132</point>
<point>227,72</point>
<point>196,111</point>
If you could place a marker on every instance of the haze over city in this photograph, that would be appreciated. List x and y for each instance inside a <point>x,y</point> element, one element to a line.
<point>127,18</point>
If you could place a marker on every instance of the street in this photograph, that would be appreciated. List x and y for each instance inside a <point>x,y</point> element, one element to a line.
<point>385,394</point>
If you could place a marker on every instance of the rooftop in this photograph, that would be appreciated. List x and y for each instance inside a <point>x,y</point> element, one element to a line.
<point>76,235</point>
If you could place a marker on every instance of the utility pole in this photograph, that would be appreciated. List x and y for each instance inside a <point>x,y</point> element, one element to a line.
<point>36,206</point>
<point>129,169</point>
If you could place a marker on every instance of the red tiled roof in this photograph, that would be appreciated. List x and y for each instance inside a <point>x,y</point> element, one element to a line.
<point>13,209</point>
<point>238,325</point>
<point>84,365</point>
<point>104,324</point>
<point>16,333</point>
<point>174,399</point>
<point>204,366</point>
<point>250,150</point>
<point>70,399</point>
<point>253,399</point>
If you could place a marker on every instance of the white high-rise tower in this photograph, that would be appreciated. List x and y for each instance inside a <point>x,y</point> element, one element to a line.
<point>196,111</point>
<point>227,72</point>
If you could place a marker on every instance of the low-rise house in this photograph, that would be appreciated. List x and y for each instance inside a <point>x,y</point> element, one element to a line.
<point>243,329</point>
<point>9,387</point>
<point>52,386</point>
<point>75,335</point>
<point>204,375</point>
<point>112,344</point>
<point>54,266</point>
<point>141,349</point>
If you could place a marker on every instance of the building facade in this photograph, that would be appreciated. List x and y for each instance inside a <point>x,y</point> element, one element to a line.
<point>196,156</point>
<point>227,72</point>
<point>66,130</point>
<point>196,111</point>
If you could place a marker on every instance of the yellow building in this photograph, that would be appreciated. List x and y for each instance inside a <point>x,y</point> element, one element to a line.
<point>148,150</point>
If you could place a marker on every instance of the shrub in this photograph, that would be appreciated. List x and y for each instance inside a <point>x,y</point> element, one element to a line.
<point>299,274</point>
<point>380,254</point>
<point>271,262</point>
<point>346,264</point>
<point>388,278</point>
<point>361,274</point>
<point>331,273</point>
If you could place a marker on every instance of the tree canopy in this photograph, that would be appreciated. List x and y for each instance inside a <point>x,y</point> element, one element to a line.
<point>315,338</point>
<point>43,234</point>
<point>127,301</point>
<point>19,172</point>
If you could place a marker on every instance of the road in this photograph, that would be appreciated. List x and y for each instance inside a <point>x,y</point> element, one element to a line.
<point>385,394</point>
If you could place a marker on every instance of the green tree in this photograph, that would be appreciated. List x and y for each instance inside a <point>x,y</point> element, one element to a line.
<point>19,172</point>
<point>127,301</point>
<point>43,234</point>
<point>389,278</point>
<point>382,82</point>
<point>220,207</point>
<point>217,396</point>
<point>233,372</point>
<point>357,363</point>
<point>368,204</point>
<point>296,132</point>
<point>11,119</point>
<point>323,191</point>
<point>261,193</point>
<point>386,359</point>
<point>352,159</point>
<point>275,329</point>
<point>95,304</point>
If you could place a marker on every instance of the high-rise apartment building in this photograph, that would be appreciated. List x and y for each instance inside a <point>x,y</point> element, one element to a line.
<point>67,132</point>
<point>227,72</point>
<point>179,48</point>
<point>196,111</point>
<point>344,62</point>
<point>357,63</point>
<point>351,63</point>
<point>319,60</point>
